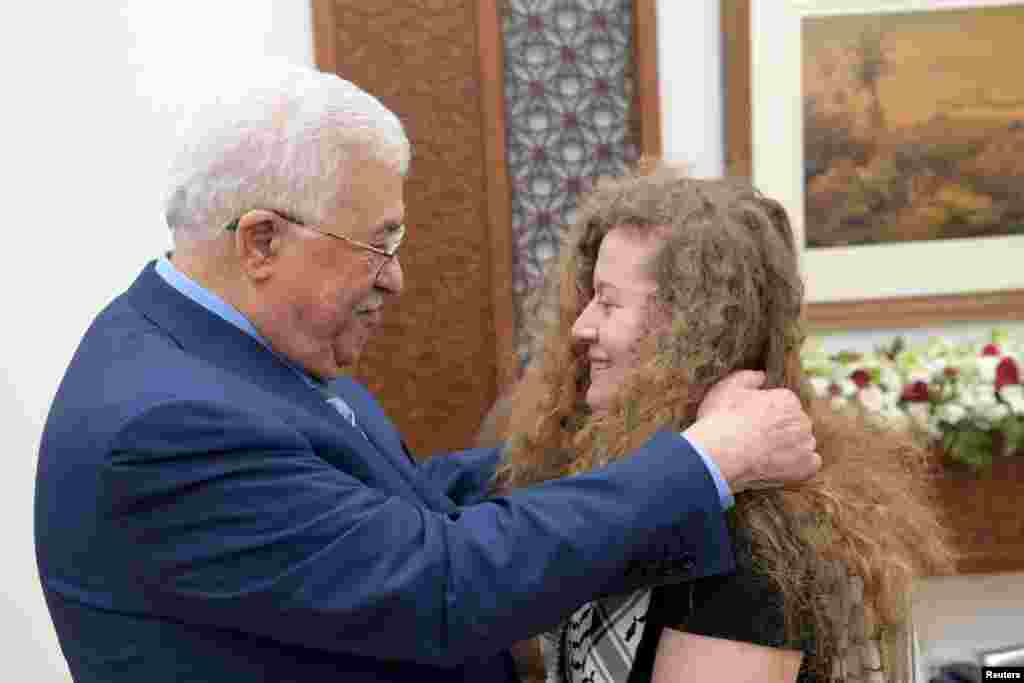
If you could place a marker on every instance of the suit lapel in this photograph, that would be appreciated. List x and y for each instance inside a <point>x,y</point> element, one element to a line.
<point>372,419</point>
<point>382,432</point>
<point>201,333</point>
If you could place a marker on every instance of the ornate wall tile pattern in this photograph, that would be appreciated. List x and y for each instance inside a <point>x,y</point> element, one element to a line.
<point>568,99</point>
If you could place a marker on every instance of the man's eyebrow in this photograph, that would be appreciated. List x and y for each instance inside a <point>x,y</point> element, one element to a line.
<point>601,286</point>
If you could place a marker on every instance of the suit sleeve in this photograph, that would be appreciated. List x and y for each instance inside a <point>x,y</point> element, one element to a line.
<point>227,518</point>
<point>464,476</point>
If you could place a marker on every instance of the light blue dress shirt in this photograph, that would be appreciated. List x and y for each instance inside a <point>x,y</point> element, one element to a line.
<point>724,494</point>
<point>213,303</point>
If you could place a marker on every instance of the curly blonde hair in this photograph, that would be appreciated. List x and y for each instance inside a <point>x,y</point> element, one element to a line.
<point>729,284</point>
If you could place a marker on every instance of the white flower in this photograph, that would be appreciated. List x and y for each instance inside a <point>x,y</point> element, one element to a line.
<point>951,413</point>
<point>920,414</point>
<point>847,387</point>
<point>821,386</point>
<point>936,365</point>
<point>978,397</point>
<point>891,397</point>
<point>890,378</point>
<point>1013,394</point>
<point>871,397</point>
<point>960,378</point>
<point>987,368</point>
<point>994,412</point>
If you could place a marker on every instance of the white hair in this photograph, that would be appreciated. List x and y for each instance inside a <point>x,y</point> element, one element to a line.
<point>283,141</point>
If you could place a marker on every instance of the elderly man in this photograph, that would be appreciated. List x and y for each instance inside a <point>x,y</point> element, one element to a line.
<point>215,502</point>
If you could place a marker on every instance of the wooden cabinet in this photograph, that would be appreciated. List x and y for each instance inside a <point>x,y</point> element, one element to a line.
<point>986,513</point>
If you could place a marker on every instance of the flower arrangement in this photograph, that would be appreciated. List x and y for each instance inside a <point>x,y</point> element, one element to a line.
<point>966,399</point>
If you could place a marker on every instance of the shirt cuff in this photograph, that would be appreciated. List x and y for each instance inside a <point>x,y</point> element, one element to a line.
<point>724,494</point>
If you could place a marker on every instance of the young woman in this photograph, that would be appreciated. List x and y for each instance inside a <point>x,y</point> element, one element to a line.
<point>665,285</point>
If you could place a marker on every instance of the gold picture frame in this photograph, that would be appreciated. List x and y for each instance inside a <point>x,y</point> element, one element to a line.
<point>850,287</point>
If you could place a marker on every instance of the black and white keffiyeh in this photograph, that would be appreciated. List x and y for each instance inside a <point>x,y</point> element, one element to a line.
<point>598,643</point>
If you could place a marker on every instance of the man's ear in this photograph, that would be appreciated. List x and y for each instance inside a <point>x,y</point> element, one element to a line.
<point>257,242</point>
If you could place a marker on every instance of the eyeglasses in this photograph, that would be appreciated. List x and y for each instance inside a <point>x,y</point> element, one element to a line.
<point>393,239</point>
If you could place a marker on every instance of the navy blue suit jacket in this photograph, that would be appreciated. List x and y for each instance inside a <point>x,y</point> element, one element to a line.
<point>202,514</point>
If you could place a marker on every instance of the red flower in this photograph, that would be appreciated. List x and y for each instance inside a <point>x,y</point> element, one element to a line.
<point>834,390</point>
<point>916,392</point>
<point>860,378</point>
<point>990,350</point>
<point>1007,372</point>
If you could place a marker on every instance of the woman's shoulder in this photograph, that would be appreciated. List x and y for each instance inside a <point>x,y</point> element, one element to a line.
<point>744,605</point>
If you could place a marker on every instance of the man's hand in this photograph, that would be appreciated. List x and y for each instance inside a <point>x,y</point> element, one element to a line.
<point>759,438</point>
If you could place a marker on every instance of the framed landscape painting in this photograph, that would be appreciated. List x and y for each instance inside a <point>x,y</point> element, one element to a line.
<point>893,132</point>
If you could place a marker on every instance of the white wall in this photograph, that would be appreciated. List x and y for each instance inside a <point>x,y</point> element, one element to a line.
<point>90,92</point>
<point>690,84</point>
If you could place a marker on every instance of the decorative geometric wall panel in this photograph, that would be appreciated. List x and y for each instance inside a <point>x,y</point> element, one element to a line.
<point>569,92</point>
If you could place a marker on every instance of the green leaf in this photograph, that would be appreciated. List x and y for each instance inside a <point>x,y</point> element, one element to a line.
<point>973,448</point>
<point>948,441</point>
<point>1012,427</point>
<point>908,360</point>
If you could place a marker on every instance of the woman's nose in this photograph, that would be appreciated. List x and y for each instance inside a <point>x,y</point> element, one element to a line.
<point>583,330</point>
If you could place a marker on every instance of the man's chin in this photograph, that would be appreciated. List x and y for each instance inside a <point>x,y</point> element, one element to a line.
<point>333,366</point>
<point>346,359</point>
